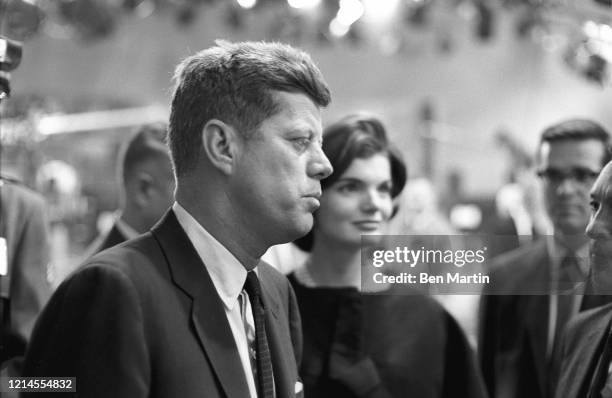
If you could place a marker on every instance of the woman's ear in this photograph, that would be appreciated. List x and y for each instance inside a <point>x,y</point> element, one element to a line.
<point>219,145</point>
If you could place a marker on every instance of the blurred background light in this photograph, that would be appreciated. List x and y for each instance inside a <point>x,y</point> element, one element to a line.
<point>247,3</point>
<point>380,11</point>
<point>303,4</point>
<point>350,11</point>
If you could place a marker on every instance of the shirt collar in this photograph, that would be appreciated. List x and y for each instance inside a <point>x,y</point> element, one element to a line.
<point>227,273</point>
<point>556,253</point>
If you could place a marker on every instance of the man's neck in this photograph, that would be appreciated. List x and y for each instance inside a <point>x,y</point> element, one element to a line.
<point>223,227</point>
<point>571,242</point>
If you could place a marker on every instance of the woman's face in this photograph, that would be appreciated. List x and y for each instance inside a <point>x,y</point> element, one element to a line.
<point>358,203</point>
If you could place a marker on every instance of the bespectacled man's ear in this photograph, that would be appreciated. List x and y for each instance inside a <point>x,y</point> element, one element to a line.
<point>219,142</point>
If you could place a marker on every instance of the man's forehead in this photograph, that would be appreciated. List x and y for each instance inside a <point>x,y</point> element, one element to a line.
<point>571,152</point>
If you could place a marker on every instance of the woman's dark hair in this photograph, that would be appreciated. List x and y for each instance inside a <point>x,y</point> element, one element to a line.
<point>358,136</point>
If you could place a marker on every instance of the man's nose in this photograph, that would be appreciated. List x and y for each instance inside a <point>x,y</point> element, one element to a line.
<point>320,167</point>
<point>566,186</point>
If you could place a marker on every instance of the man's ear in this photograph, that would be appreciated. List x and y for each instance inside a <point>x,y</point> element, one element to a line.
<point>219,142</point>
<point>145,185</point>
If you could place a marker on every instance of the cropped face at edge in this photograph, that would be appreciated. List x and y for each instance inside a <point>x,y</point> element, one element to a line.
<point>358,204</point>
<point>599,229</point>
<point>278,171</point>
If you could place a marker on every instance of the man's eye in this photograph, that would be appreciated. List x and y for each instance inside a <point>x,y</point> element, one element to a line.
<point>385,188</point>
<point>301,142</point>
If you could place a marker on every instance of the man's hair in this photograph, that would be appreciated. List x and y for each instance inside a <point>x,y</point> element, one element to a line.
<point>234,82</point>
<point>578,130</point>
<point>148,142</point>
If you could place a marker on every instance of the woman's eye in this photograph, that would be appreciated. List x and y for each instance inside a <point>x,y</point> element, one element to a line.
<point>594,206</point>
<point>346,188</point>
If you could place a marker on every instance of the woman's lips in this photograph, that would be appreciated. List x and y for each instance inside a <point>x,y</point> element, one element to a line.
<point>367,225</point>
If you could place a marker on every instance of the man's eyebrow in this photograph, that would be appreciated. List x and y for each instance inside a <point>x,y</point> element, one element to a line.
<point>301,130</point>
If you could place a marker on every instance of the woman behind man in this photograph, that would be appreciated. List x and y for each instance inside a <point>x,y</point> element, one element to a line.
<point>360,344</point>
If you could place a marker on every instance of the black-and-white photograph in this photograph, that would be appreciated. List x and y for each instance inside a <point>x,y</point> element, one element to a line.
<point>306,198</point>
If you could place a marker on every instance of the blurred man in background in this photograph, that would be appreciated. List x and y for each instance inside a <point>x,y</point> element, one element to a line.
<point>24,257</point>
<point>147,186</point>
<point>519,335</point>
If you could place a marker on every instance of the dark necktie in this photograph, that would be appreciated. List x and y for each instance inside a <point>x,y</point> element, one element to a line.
<point>570,275</point>
<point>265,379</point>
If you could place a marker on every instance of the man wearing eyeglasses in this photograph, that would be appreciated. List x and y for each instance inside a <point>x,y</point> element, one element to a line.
<point>535,289</point>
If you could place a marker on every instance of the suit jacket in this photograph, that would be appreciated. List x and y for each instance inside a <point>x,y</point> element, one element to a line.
<point>143,319</point>
<point>103,242</point>
<point>513,329</point>
<point>24,290</point>
<point>583,344</point>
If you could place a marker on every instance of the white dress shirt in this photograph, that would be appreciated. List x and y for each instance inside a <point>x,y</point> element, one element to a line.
<point>228,276</point>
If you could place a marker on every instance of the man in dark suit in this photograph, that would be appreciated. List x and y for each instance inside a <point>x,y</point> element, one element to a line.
<point>24,257</point>
<point>521,314</point>
<point>147,186</point>
<point>166,314</point>
<point>587,343</point>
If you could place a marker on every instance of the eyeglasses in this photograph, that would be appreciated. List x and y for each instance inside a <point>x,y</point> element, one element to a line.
<point>578,175</point>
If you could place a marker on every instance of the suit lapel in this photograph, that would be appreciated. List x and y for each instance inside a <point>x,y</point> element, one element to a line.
<point>278,339</point>
<point>591,352</point>
<point>537,311</point>
<point>207,312</point>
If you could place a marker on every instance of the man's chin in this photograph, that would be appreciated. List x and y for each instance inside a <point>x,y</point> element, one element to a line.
<point>300,228</point>
<point>571,227</point>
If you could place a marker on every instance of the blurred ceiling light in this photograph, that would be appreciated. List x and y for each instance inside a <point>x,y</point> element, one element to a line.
<point>605,32</point>
<point>337,28</point>
<point>591,29</point>
<point>597,31</point>
<point>379,11</point>
<point>598,39</point>
<point>303,4</point>
<point>100,120</point>
<point>350,11</point>
<point>246,3</point>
